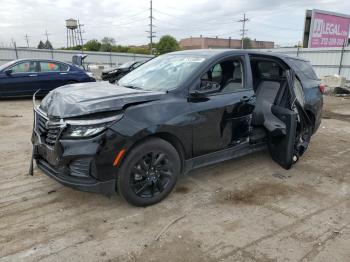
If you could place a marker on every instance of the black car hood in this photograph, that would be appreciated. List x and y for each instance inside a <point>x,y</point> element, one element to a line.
<point>94,97</point>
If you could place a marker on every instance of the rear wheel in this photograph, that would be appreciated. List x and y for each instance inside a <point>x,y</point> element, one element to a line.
<point>149,172</point>
<point>303,137</point>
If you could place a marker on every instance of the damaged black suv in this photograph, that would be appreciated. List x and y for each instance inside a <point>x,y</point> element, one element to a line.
<point>178,112</point>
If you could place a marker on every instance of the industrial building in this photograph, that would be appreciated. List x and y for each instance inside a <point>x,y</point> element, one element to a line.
<point>215,42</point>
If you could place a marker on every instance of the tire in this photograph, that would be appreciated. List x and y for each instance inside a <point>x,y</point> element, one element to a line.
<point>141,183</point>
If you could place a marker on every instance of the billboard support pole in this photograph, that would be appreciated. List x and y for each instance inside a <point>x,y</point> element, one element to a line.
<point>341,58</point>
<point>298,50</point>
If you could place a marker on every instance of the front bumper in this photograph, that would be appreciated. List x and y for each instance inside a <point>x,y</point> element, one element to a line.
<point>83,184</point>
<point>83,164</point>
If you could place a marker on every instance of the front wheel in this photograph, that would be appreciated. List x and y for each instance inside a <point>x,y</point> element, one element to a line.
<point>149,172</point>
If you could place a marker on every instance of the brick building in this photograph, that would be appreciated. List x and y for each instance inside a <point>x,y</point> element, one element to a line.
<point>214,42</point>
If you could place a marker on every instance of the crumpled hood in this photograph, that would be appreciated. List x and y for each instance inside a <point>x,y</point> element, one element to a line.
<point>93,97</point>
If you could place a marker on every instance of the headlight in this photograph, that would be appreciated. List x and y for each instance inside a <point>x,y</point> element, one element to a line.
<point>88,128</point>
<point>83,131</point>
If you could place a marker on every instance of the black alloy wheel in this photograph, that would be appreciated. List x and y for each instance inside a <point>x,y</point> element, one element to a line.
<point>149,172</point>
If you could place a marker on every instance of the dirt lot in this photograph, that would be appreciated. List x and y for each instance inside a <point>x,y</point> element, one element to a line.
<point>247,209</point>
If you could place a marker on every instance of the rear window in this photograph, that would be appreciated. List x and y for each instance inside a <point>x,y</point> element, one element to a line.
<point>49,67</point>
<point>304,68</point>
<point>64,67</point>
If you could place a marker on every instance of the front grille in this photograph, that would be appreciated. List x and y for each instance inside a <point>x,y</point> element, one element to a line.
<point>52,135</point>
<point>48,130</point>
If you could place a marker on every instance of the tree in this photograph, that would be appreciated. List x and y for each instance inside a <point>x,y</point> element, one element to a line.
<point>120,49</point>
<point>107,44</point>
<point>247,43</point>
<point>48,45</point>
<point>92,45</point>
<point>108,40</point>
<point>41,45</point>
<point>138,50</point>
<point>167,44</point>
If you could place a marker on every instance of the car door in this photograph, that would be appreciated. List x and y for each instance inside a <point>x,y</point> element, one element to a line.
<point>21,81</point>
<point>51,75</point>
<point>222,119</point>
<point>286,149</point>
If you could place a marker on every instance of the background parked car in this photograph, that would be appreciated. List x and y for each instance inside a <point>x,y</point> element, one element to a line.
<point>115,74</point>
<point>24,77</point>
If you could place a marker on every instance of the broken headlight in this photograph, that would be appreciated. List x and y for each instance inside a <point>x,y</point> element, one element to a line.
<point>87,128</point>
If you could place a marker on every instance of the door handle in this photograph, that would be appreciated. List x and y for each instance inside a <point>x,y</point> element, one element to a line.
<point>245,99</point>
<point>63,73</point>
<point>33,75</point>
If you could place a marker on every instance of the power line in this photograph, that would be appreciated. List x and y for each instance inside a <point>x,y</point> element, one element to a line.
<point>278,27</point>
<point>243,30</point>
<point>122,21</point>
<point>118,24</point>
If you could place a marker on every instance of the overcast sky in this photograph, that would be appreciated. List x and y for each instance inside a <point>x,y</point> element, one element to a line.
<point>127,20</point>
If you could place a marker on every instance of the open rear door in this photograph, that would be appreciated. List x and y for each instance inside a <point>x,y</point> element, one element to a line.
<point>281,147</point>
<point>288,144</point>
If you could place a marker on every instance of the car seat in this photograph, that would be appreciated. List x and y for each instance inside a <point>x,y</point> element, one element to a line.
<point>266,94</point>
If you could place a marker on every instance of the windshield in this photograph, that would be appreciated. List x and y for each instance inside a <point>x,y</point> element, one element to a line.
<point>2,67</point>
<point>163,73</point>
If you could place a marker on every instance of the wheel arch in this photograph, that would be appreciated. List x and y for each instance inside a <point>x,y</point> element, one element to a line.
<point>171,139</point>
<point>312,118</point>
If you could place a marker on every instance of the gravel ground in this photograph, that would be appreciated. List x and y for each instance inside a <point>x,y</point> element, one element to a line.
<point>248,209</point>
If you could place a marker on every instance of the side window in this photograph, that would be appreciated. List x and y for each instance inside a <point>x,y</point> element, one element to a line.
<point>298,90</point>
<point>49,67</point>
<point>304,68</point>
<point>228,75</point>
<point>269,70</point>
<point>24,67</point>
<point>216,73</point>
<point>64,67</point>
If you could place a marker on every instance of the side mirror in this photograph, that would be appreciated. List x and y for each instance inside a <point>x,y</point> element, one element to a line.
<point>8,72</point>
<point>205,88</point>
<point>208,87</point>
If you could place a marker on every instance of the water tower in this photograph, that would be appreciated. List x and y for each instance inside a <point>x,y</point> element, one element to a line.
<point>74,37</point>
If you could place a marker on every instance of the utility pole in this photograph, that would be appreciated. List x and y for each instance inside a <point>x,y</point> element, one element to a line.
<point>47,35</point>
<point>243,30</point>
<point>27,39</point>
<point>151,25</point>
<point>15,46</point>
<point>47,39</point>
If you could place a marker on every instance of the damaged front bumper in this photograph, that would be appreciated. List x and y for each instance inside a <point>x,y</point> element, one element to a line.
<point>84,164</point>
<point>87,184</point>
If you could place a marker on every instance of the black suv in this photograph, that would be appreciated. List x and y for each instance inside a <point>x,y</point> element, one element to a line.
<point>177,112</point>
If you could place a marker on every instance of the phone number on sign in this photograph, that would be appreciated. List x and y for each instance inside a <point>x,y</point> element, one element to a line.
<point>332,41</point>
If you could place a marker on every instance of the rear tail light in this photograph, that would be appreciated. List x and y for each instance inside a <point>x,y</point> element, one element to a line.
<point>322,88</point>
